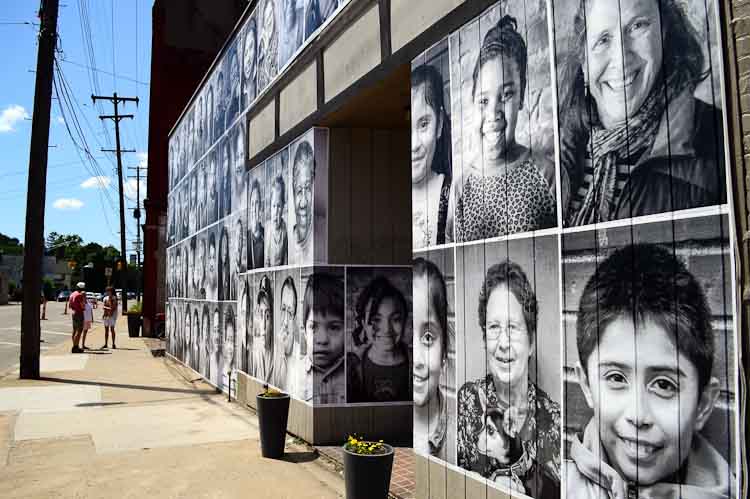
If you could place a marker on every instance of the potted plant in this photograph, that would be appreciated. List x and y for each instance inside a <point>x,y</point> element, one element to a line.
<point>367,468</point>
<point>134,320</point>
<point>273,413</point>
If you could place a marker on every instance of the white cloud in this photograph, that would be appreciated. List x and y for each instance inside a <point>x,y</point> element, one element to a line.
<point>60,120</point>
<point>142,160</point>
<point>10,116</point>
<point>100,182</point>
<point>130,188</point>
<point>68,204</point>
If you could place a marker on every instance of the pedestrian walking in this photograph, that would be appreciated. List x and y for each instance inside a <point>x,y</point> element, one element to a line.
<point>77,304</point>
<point>110,316</point>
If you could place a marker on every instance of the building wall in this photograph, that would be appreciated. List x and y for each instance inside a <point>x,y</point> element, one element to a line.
<point>186,37</point>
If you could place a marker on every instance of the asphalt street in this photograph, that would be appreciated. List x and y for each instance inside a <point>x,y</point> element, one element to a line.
<point>55,330</point>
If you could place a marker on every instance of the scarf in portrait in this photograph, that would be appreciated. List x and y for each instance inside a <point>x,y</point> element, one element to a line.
<point>608,147</point>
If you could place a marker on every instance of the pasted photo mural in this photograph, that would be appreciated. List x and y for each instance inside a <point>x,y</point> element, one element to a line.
<point>563,344</point>
<point>641,120</point>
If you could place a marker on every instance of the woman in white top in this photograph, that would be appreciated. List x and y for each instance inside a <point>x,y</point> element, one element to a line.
<point>110,316</point>
<point>88,319</point>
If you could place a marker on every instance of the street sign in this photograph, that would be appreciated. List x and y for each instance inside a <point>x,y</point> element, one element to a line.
<point>108,271</point>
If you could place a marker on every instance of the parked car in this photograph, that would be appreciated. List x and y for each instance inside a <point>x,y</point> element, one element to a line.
<point>131,295</point>
<point>63,295</point>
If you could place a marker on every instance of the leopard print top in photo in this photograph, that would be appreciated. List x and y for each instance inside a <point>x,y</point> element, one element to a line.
<point>492,206</point>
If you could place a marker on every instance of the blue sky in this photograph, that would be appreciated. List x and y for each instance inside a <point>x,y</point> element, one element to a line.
<point>76,202</point>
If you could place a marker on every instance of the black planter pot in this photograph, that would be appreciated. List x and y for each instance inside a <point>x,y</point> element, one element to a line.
<point>273,413</point>
<point>134,325</point>
<point>368,477</point>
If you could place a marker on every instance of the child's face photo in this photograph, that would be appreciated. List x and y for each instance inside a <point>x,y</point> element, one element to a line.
<point>646,400</point>
<point>385,326</point>
<point>327,333</point>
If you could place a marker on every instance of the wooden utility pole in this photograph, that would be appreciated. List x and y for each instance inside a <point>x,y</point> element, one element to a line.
<point>116,119</point>
<point>37,191</point>
<point>137,216</point>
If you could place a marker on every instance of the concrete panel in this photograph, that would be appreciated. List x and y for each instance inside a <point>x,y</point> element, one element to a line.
<point>476,489</point>
<point>300,420</point>
<point>299,99</point>
<point>355,52</point>
<point>438,481</point>
<point>262,129</point>
<point>455,483</point>
<point>409,18</point>
<point>422,477</point>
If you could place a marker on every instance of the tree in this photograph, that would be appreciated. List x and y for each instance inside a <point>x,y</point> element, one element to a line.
<point>10,245</point>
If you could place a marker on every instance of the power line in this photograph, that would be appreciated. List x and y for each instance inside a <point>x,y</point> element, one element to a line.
<point>109,73</point>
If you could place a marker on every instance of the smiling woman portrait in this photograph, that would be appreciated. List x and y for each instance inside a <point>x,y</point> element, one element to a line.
<point>635,139</point>
<point>508,427</point>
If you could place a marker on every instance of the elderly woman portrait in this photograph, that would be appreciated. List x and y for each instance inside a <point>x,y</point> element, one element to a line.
<point>292,30</point>
<point>430,157</point>
<point>256,233</point>
<point>508,427</point>
<point>268,50</point>
<point>504,188</point>
<point>276,237</point>
<point>434,430</point>
<point>303,180</point>
<point>635,139</point>
<point>249,61</point>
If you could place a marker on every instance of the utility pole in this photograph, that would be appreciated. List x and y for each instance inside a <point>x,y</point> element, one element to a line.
<point>137,216</point>
<point>37,192</point>
<point>116,119</point>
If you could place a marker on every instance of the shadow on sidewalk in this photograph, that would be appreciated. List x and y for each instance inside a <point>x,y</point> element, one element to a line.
<point>131,387</point>
<point>299,457</point>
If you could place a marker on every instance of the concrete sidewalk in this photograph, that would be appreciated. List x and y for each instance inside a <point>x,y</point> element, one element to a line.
<point>123,423</point>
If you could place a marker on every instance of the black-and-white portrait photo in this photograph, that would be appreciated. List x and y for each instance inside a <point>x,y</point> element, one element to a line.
<point>216,356</point>
<point>263,337</point>
<point>292,29</point>
<point>239,252</point>
<point>204,346</point>
<point>225,164</point>
<point>378,341</point>
<point>234,83</point>
<point>201,171</point>
<point>249,42</point>
<point>211,283</point>
<point>434,354</point>
<point>268,44</point>
<point>256,219</point>
<point>323,316</point>
<point>200,139</point>
<point>221,100</point>
<point>277,237</point>
<point>640,111</point>
<point>650,386</point>
<point>208,90</point>
<point>185,210</point>
<point>317,11</point>
<point>193,202</point>
<point>228,346</point>
<point>239,174</point>
<point>503,137</point>
<point>224,260</point>
<point>508,349</point>
<point>213,181</point>
<point>287,362</point>
<point>244,323</point>
<point>431,171</point>
<point>301,205</point>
